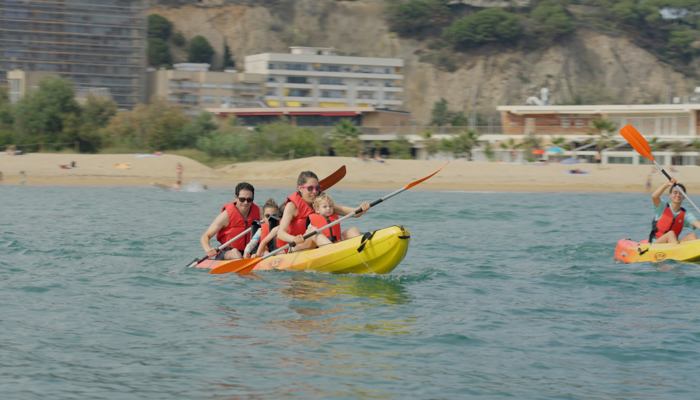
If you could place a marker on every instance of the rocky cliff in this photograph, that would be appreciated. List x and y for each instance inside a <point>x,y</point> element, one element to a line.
<point>588,62</point>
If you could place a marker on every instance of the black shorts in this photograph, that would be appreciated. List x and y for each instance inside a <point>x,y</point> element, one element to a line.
<point>222,254</point>
<point>598,161</point>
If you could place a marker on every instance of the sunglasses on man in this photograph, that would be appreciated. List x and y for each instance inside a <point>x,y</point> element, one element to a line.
<point>244,200</point>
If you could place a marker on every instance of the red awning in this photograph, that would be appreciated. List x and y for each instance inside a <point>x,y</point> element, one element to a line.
<point>255,113</point>
<point>339,114</point>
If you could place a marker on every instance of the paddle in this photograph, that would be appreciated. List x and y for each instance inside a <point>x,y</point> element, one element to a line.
<point>326,183</point>
<point>642,146</point>
<point>246,265</point>
<point>198,261</point>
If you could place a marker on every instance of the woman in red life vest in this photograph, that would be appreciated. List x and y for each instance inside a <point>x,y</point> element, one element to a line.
<point>234,218</point>
<point>323,215</point>
<point>670,218</point>
<point>298,207</point>
<point>264,239</point>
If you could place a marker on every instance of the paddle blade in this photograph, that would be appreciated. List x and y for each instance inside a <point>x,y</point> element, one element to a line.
<point>637,141</point>
<point>241,266</point>
<point>412,184</point>
<point>327,182</point>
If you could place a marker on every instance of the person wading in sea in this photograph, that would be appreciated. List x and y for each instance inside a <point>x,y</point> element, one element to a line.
<point>235,218</point>
<point>669,219</point>
<point>298,207</point>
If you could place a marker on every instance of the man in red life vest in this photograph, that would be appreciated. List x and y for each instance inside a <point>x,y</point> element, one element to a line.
<point>235,218</point>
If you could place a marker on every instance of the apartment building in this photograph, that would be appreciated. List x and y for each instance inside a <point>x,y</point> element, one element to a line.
<point>95,44</point>
<point>195,88</point>
<point>319,77</point>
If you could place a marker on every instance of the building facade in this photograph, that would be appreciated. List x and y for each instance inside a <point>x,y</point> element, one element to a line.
<point>319,77</point>
<point>652,120</point>
<point>194,88</point>
<point>95,44</point>
<point>22,82</point>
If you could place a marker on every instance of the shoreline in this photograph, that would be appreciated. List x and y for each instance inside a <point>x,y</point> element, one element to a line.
<point>43,169</point>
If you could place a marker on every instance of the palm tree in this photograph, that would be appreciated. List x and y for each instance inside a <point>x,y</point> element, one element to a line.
<point>510,144</point>
<point>602,128</point>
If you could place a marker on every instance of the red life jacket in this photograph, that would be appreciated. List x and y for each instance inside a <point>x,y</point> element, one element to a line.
<point>236,225</point>
<point>298,225</point>
<point>333,233</point>
<point>667,223</point>
<point>264,231</point>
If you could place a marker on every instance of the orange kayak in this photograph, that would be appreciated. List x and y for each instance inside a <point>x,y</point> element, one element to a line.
<point>380,255</point>
<point>630,251</point>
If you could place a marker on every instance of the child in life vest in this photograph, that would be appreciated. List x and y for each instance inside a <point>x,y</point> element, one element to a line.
<point>262,242</point>
<point>323,209</point>
<point>670,218</point>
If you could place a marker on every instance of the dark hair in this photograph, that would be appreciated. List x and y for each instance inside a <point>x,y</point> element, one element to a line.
<point>244,186</point>
<point>679,185</point>
<point>305,176</point>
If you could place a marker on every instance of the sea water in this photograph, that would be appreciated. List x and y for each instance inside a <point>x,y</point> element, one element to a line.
<point>501,295</point>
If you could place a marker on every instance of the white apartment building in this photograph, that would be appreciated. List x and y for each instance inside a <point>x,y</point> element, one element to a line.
<point>194,88</point>
<point>318,77</point>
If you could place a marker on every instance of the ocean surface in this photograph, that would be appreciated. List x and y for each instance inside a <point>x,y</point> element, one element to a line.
<point>501,295</point>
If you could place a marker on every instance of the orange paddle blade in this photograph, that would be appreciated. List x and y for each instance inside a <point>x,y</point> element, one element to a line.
<point>236,266</point>
<point>637,141</point>
<point>412,184</point>
<point>333,178</point>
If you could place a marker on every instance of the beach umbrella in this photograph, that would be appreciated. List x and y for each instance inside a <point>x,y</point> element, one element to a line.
<point>555,150</point>
<point>569,161</point>
<point>537,151</point>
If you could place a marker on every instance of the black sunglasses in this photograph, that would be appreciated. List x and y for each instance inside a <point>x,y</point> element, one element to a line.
<point>269,215</point>
<point>244,200</point>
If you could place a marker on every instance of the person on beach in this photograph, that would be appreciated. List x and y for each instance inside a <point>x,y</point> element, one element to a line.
<point>598,158</point>
<point>178,174</point>
<point>670,218</point>
<point>22,178</point>
<point>263,241</point>
<point>324,215</point>
<point>235,218</point>
<point>297,208</point>
<point>1,177</point>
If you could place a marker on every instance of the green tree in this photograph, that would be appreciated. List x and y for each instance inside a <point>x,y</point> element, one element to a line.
<point>225,144</point>
<point>460,145</point>
<point>400,148</point>
<point>159,27</point>
<point>41,114</point>
<point>486,26</point>
<point>158,52</point>
<point>179,39</point>
<point>553,20</point>
<point>440,114</point>
<point>153,126</point>
<point>228,58</point>
<point>199,50</point>
<point>679,44</point>
<point>416,17</point>
<point>603,129</point>
<point>190,134</point>
<point>95,115</point>
<point>6,118</point>
<point>345,139</point>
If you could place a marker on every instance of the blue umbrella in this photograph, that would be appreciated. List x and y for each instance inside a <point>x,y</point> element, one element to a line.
<point>555,150</point>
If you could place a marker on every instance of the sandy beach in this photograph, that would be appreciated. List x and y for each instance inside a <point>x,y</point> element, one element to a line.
<point>100,170</point>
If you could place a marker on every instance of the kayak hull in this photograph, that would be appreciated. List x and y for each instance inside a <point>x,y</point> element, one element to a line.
<point>381,254</point>
<point>630,251</point>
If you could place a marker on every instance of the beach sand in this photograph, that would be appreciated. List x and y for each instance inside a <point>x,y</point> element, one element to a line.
<point>100,170</point>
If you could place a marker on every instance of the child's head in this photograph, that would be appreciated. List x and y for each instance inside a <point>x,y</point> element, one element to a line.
<point>323,205</point>
<point>269,209</point>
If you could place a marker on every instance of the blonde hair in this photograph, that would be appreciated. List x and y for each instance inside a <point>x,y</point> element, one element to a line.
<point>321,198</point>
<point>270,203</point>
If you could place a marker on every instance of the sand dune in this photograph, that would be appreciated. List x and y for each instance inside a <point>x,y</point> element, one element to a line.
<point>99,170</point>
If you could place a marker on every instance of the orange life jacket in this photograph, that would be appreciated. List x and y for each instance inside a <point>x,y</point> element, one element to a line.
<point>333,233</point>
<point>236,225</point>
<point>667,223</point>
<point>298,225</point>
<point>264,231</point>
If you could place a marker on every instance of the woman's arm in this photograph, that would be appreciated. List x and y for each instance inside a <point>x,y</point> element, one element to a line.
<point>263,244</point>
<point>290,212</point>
<point>343,210</point>
<point>656,196</point>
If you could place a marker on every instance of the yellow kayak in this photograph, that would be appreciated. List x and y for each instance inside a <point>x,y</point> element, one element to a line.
<point>630,251</point>
<point>379,254</point>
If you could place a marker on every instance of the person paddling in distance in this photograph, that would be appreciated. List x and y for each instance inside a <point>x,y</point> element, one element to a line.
<point>670,219</point>
<point>324,215</point>
<point>267,232</point>
<point>235,218</point>
<point>298,207</point>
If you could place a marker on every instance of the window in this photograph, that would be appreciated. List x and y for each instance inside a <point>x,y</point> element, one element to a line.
<point>620,160</point>
<point>296,79</point>
<point>333,94</point>
<point>580,124</point>
<point>387,70</point>
<point>331,81</point>
<point>208,99</point>
<point>208,85</point>
<point>296,67</point>
<point>388,84</point>
<point>565,123</point>
<point>298,93</point>
<point>227,85</point>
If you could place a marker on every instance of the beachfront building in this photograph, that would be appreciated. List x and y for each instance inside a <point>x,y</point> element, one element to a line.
<point>95,44</point>
<point>194,88</point>
<point>319,77</point>
<point>22,82</point>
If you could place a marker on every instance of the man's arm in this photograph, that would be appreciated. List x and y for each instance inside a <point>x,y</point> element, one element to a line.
<point>220,222</point>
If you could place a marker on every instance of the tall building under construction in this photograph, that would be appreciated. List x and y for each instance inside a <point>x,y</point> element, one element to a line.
<point>95,43</point>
